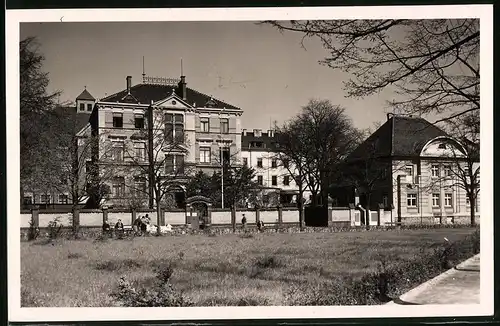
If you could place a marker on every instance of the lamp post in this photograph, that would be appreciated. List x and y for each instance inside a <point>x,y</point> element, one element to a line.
<point>221,160</point>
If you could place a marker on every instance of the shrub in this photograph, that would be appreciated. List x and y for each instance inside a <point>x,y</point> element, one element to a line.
<point>246,235</point>
<point>115,265</point>
<point>55,228</point>
<point>74,255</point>
<point>161,294</point>
<point>268,262</point>
<point>33,231</point>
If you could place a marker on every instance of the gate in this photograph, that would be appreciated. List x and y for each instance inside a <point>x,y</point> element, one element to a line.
<point>316,216</point>
<point>198,212</point>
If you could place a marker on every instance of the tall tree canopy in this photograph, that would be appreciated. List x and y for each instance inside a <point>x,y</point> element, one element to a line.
<point>36,115</point>
<point>315,142</point>
<point>432,64</point>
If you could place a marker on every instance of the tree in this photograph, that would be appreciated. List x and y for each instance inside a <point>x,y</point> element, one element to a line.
<point>324,136</point>
<point>159,165</point>
<point>464,169</point>
<point>433,65</point>
<point>290,155</point>
<point>36,118</point>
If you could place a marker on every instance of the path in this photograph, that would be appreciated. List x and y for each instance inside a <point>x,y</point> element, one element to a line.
<point>459,285</point>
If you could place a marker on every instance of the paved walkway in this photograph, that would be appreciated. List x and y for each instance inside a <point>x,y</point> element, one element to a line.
<point>459,285</point>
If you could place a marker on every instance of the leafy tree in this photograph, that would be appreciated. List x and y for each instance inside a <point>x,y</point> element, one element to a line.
<point>432,64</point>
<point>36,118</point>
<point>316,141</point>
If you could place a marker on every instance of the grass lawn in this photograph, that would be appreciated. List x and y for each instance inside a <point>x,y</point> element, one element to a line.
<point>214,270</point>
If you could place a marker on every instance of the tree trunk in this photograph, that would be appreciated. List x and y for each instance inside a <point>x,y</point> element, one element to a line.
<point>158,212</point>
<point>472,210</point>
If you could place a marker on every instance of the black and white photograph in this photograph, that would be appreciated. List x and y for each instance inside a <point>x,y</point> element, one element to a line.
<point>292,163</point>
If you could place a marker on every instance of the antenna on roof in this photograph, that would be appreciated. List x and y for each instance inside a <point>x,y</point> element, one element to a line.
<point>143,70</point>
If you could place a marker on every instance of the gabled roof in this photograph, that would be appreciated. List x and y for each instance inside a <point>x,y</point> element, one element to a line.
<point>399,136</point>
<point>85,95</point>
<point>145,93</point>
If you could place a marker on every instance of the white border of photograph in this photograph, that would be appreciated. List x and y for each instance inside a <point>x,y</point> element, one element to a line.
<point>15,17</point>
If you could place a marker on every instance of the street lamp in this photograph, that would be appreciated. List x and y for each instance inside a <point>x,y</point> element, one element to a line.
<point>221,160</point>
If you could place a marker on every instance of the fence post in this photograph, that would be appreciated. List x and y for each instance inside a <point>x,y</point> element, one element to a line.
<point>257,214</point>
<point>233,218</point>
<point>209,214</point>
<point>104,214</point>
<point>280,216</point>
<point>35,216</point>
<point>76,220</point>
<point>134,216</point>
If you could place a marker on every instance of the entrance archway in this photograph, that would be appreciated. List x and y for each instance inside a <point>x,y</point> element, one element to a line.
<point>198,211</point>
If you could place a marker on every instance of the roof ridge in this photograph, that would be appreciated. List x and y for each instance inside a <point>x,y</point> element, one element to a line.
<point>212,97</point>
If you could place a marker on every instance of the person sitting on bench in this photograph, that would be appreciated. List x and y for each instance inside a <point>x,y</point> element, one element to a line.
<point>119,229</point>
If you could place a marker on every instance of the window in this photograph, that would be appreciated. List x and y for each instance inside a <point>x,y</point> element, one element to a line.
<point>286,163</point>
<point>63,199</point>
<point>174,164</point>
<point>274,163</point>
<point>466,172</point>
<point>205,124</point>
<point>89,107</point>
<point>140,188</point>
<point>45,199</point>
<point>224,126</point>
<point>385,201</point>
<point>435,200</point>
<point>259,162</point>
<point>245,161</point>
<point>174,127</point>
<point>274,180</point>
<point>118,149</point>
<point>442,146</point>
<point>409,170</point>
<point>117,120</point>
<point>140,151</point>
<point>82,107</point>
<point>411,200</point>
<point>435,171</point>
<point>286,180</point>
<point>27,200</point>
<point>467,200</point>
<point>260,180</point>
<point>139,121</point>
<point>448,201</point>
<point>448,172</point>
<point>204,154</point>
<point>118,187</point>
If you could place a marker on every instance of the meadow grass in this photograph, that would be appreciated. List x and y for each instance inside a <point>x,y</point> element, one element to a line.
<point>226,270</point>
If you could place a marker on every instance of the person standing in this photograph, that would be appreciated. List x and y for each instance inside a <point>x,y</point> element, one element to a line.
<point>244,222</point>
<point>137,225</point>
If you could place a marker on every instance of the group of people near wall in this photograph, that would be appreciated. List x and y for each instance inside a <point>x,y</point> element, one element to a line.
<point>140,226</point>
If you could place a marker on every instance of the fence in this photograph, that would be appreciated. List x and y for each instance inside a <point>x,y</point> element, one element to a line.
<point>338,216</point>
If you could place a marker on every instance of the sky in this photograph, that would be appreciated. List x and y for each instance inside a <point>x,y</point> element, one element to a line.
<point>266,73</point>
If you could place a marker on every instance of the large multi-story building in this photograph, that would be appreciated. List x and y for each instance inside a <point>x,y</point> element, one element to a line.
<point>412,167</point>
<point>275,176</point>
<point>185,129</point>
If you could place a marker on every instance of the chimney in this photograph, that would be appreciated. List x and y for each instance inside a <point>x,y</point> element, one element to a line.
<point>129,83</point>
<point>257,132</point>
<point>389,115</point>
<point>270,133</point>
<point>182,87</point>
<point>244,132</point>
